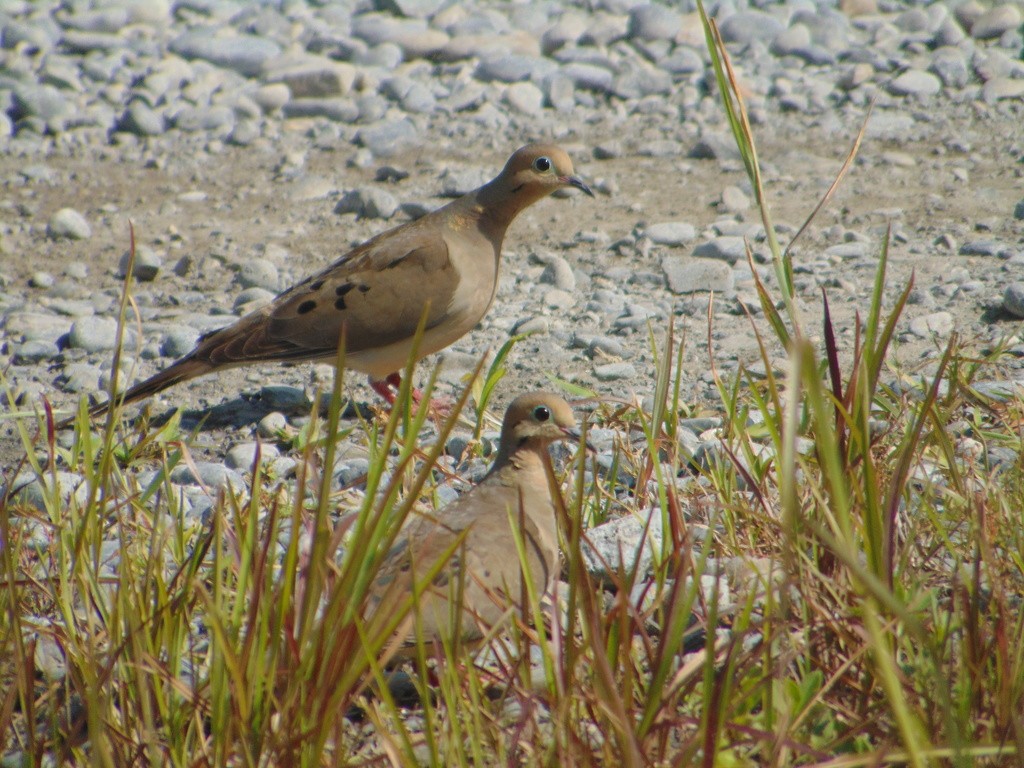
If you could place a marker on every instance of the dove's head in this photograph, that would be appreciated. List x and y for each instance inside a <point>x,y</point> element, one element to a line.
<point>535,171</point>
<point>536,419</point>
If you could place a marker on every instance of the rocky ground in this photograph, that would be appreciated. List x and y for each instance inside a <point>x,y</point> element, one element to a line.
<point>250,144</point>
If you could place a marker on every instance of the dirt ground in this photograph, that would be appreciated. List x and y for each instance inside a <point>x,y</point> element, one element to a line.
<point>956,180</point>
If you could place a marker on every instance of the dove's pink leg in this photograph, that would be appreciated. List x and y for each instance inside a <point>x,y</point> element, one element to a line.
<point>388,388</point>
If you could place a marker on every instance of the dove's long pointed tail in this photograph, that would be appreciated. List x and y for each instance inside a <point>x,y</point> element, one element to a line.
<point>183,370</point>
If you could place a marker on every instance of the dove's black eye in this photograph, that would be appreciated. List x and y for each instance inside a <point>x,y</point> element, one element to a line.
<point>542,413</point>
<point>542,164</point>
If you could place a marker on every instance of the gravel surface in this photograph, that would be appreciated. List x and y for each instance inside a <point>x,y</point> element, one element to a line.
<point>251,143</point>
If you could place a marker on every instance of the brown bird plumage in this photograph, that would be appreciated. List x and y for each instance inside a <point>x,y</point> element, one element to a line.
<point>485,568</point>
<point>444,264</point>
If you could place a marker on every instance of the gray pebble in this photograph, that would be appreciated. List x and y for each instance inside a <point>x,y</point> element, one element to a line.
<point>147,264</point>
<point>45,102</point>
<point>615,547</point>
<point>614,371</point>
<point>728,248</point>
<point>70,224</point>
<point>351,471</point>
<point>252,298</point>
<point>936,324</point>
<point>32,352</point>
<point>96,334</point>
<point>139,118</point>
<point>996,21</point>
<point>949,32</point>
<point>950,65</point>
<point>80,377</point>
<point>734,200</point>
<point>244,133</point>
<point>670,233</point>
<point>368,203</point>
<point>999,88</point>
<point>389,138</point>
<point>791,40</point>
<point>589,77</point>
<point>524,97</point>
<point>715,146</point>
<point>456,182</point>
<point>285,399</point>
<point>316,77</point>
<point>209,473</point>
<point>42,280</point>
<point>178,341</point>
<point>76,270</point>
<point>698,275</point>
<point>747,26</point>
<point>999,391</point>
<point>531,325</point>
<point>558,273</point>
<point>608,150</point>
<point>556,298</point>
<point>683,61</point>
<point>271,425</point>
<point>915,82</point>
<point>38,34</point>
<point>36,326</point>
<point>109,20</point>
<point>606,345</point>
<point>982,248</point>
<point>1013,299</point>
<point>851,250</point>
<point>513,68</point>
<point>653,22</point>
<point>340,110</point>
<point>272,96</point>
<point>28,489</point>
<point>218,119</point>
<point>457,444</point>
<point>241,455</point>
<point>245,54</point>
<point>258,273</point>
<point>560,92</point>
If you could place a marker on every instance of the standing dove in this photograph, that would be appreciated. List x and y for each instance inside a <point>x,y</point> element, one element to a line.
<point>484,568</point>
<point>443,265</point>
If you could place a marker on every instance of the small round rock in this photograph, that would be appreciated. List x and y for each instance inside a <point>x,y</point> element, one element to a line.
<point>241,455</point>
<point>258,273</point>
<point>147,264</point>
<point>42,280</point>
<point>67,223</point>
<point>671,233</point>
<point>614,371</point>
<point>272,424</point>
<point>1013,299</point>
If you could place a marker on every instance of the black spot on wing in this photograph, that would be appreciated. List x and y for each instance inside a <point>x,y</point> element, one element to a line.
<point>307,306</point>
<point>341,290</point>
<point>340,303</point>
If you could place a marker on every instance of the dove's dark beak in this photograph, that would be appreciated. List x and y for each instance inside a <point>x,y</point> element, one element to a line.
<point>576,181</point>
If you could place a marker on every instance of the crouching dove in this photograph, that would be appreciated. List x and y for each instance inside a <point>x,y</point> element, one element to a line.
<point>443,265</point>
<point>484,568</point>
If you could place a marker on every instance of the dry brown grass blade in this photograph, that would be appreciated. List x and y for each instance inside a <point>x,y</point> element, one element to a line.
<point>830,192</point>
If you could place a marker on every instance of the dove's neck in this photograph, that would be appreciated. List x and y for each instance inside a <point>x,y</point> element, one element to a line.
<point>523,471</point>
<point>499,204</point>
<point>517,460</point>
